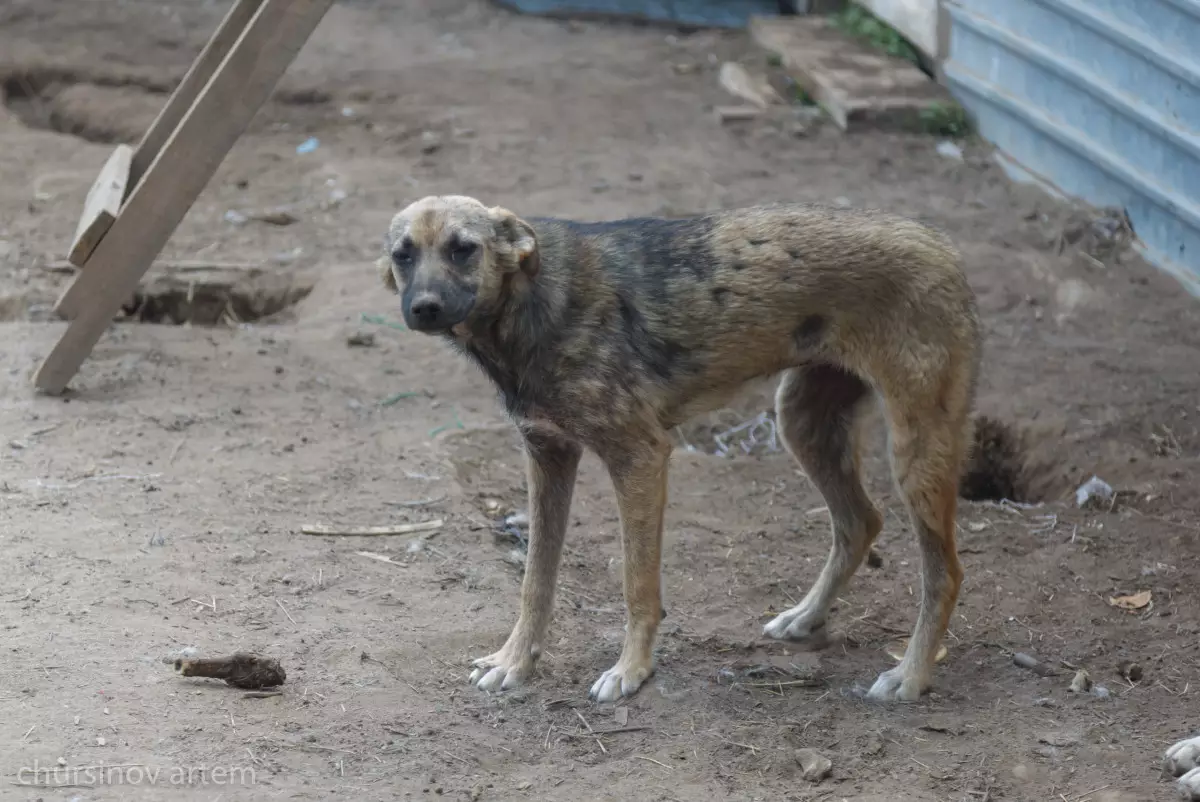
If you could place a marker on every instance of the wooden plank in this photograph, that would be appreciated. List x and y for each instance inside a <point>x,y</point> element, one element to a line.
<point>857,85</point>
<point>173,181</point>
<point>198,75</point>
<point>916,20</point>
<point>102,205</point>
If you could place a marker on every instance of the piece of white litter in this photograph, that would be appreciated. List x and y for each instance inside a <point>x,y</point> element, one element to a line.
<point>1093,492</point>
<point>950,150</point>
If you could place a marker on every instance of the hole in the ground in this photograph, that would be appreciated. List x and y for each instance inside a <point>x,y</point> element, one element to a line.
<point>1002,468</point>
<point>178,301</point>
<point>97,108</point>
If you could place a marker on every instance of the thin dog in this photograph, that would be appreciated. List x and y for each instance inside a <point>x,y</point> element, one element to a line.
<point>608,335</point>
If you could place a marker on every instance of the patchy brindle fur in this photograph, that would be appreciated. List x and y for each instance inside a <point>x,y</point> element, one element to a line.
<point>607,335</point>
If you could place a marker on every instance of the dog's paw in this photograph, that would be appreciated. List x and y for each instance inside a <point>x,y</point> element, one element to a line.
<point>620,680</point>
<point>799,623</point>
<point>895,685</point>
<point>1189,786</point>
<point>1183,761</point>
<point>502,670</point>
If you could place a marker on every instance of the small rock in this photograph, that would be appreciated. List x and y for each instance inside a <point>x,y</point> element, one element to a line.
<point>361,339</point>
<point>62,761</point>
<point>1058,739</point>
<point>430,142</point>
<point>1045,701</point>
<point>1020,771</point>
<point>524,785</point>
<point>1082,683</point>
<point>1093,493</point>
<point>236,218</point>
<point>733,114</point>
<point>347,111</point>
<point>950,150</point>
<point>816,767</point>
<point>100,741</point>
<point>1100,692</point>
<point>799,130</point>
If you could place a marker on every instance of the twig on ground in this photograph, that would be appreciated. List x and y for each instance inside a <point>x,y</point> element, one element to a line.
<point>372,531</point>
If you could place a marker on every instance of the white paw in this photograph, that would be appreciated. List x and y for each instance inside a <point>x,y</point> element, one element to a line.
<point>619,681</point>
<point>1189,785</point>
<point>1183,761</point>
<point>501,671</point>
<point>894,686</point>
<point>798,623</point>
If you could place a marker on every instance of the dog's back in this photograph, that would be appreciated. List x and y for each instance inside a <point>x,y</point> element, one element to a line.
<point>717,300</point>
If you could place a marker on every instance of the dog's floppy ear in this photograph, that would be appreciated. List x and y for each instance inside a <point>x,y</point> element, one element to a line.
<point>516,243</point>
<point>384,265</point>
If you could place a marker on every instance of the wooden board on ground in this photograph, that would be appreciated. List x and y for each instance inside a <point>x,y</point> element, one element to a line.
<point>102,205</point>
<point>191,154</point>
<point>856,85</point>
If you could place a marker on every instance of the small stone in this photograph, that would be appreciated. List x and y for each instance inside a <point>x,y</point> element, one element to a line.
<point>430,142</point>
<point>62,761</point>
<point>524,785</point>
<point>1058,739</point>
<point>361,339</point>
<point>733,114</point>
<point>1045,701</point>
<point>621,716</point>
<point>1020,771</point>
<point>100,741</point>
<point>816,767</point>
<point>1082,683</point>
<point>1100,692</point>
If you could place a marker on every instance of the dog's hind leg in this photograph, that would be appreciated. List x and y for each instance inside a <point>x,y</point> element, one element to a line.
<point>552,464</point>
<point>640,479</point>
<point>930,432</point>
<point>820,410</point>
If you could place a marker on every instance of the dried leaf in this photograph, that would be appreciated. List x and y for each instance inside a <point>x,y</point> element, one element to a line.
<point>1134,601</point>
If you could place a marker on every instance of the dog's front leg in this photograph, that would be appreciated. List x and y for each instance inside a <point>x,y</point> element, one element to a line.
<point>551,464</point>
<point>640,479</point>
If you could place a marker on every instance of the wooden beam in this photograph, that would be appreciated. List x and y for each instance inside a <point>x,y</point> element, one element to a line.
<point>102,205</point>
<point>173,181</point>
<point>197,77</point>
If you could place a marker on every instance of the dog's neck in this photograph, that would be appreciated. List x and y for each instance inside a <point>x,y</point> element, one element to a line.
<point>510,343</point>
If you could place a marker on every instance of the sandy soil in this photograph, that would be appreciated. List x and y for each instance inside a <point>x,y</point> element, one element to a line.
<point>156,508</point>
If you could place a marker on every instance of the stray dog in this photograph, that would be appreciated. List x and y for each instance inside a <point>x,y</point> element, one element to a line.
<point>608,335</point>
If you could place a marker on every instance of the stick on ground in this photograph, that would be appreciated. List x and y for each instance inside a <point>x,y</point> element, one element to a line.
<point>372,531</point>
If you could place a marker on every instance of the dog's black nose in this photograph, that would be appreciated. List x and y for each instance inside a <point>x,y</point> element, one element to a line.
<point>427,312</point>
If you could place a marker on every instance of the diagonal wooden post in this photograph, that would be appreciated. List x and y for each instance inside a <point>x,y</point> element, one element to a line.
<point>177,175</point>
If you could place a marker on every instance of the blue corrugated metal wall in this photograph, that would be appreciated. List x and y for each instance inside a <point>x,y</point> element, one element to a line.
<point>1099,98</point>
<point>719,13</point>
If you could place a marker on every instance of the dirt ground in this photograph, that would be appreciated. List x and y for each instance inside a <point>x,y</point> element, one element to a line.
<point>156,509</point>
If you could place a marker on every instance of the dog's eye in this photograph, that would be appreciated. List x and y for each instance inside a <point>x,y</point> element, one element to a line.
<point>460,252</point>
<point>404,255</point>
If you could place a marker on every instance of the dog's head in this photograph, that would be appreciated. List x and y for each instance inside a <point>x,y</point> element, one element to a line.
<point>451,258</point>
